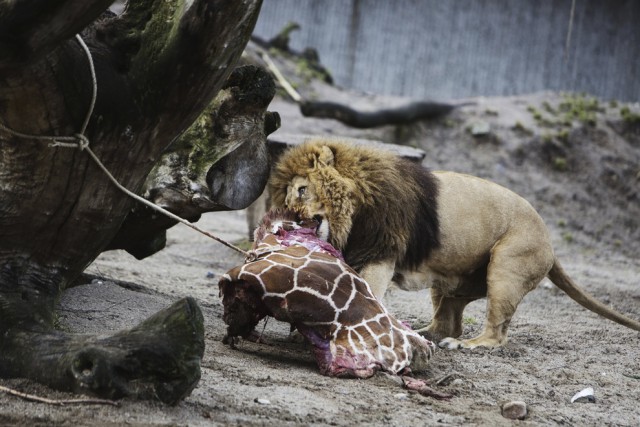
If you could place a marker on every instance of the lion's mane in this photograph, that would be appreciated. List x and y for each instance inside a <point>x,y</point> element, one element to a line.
<point>379,206</point>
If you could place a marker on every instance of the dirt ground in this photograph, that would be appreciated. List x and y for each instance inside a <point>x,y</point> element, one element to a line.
<point>556,349</point>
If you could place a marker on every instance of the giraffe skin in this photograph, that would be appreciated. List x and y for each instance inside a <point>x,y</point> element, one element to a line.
<point>296,277</point>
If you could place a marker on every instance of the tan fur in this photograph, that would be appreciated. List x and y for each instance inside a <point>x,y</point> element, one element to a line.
<point>478,239</point>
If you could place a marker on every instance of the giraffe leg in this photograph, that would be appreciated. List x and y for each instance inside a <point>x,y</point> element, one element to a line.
<point>447,315</point>
<point>515,268</point>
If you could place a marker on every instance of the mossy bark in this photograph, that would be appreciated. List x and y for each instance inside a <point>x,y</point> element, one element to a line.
<point>158,66</point>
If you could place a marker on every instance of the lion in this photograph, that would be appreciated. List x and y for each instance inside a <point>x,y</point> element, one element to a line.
<point>464,237</point>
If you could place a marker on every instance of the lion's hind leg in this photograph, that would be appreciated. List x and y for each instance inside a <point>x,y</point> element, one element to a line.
<point>515,269</point>
<point>500,309</point>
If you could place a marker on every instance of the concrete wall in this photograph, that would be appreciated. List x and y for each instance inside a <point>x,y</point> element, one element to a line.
<point>441,49</point>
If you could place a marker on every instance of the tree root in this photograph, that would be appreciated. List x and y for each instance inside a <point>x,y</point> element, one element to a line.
<point>158,359</point>
<point>405,114</point>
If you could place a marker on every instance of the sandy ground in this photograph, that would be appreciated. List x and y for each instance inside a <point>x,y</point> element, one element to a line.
<point>556,347</point>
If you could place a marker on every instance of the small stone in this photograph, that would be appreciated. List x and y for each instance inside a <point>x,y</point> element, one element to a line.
<point>262,401</point>
<point>210,275</point>
<point>457,382</point>
<point>584,396</point>
<point>394,378</point>
<point>401,396</point>
<point>480,128</point>
<point>515,410</point>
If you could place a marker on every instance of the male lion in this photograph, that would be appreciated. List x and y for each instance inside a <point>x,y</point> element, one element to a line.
<point>463,236</point>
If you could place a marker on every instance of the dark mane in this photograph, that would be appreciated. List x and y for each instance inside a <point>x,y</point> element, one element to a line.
<point>425,227</point>
<point>401,222</point>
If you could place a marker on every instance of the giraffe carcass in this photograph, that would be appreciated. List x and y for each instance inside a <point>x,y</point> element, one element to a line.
<point>298,278</point>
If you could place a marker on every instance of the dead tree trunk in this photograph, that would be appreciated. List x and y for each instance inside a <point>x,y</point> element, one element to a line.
<point>158,66</point>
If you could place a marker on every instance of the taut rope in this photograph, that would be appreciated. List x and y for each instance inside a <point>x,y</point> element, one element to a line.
<point>81,142</point>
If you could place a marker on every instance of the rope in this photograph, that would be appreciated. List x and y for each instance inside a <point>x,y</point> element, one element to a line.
<point>81,142</point>
<point>94,85</point>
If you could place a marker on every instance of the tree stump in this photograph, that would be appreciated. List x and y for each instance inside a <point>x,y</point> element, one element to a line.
<point>158,66</point>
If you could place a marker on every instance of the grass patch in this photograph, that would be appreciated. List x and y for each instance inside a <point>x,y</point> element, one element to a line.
<point>629,116</point>
<point>519,127</point>
<point>560,163</point>
<point>567,237</point>
<point>468,320</point>
<point>579,107</point>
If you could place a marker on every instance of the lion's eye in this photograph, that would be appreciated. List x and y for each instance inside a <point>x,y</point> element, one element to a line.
<point>302,191</point>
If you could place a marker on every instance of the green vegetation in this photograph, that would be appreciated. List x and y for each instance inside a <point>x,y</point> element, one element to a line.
<point>572,108</point>
<point>307,66</point>
<point>309,71</point>
<point>567,237</point>
<point>563,136</point>
<point>548,108</point>
<point>519,127</point>
<point>578,107</point>
<point>540,118</point>
<point>196,142</point>
<point>450,123</point>
<point>547,137</point>
<point>560,163</point>
<point>468,320</point>
<point>629,116</point>
<point>537,115</point>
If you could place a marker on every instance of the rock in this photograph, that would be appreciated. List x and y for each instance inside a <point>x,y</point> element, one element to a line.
<point>583,396</point>
<point>401,396</point>
<point>515,410</point>
<point>480,128</point>
<point>394,378</point>
<point>448,379</point>
<point>262,401</point>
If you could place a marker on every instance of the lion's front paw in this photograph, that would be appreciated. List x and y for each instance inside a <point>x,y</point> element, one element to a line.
<point>450,343</point>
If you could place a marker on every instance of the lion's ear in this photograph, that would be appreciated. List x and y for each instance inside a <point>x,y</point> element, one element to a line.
<point>325,158</point>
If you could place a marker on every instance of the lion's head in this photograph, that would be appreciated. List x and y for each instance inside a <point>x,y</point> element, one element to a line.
<point>378,206</point>
<point>309,177</point>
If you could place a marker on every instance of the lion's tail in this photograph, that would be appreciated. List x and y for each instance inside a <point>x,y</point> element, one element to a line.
<point>558,276</point>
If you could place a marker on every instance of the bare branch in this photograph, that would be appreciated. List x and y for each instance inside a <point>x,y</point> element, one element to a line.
<point>58,402</point>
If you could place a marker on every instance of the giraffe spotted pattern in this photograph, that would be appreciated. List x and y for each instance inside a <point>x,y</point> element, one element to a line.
<point>298,278</point>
